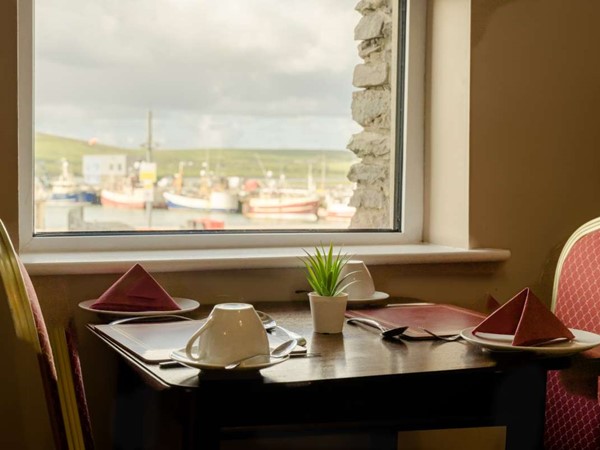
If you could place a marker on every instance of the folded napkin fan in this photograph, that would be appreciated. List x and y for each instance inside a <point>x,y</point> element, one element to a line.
<point>527,318</point>
<point>136,290</point>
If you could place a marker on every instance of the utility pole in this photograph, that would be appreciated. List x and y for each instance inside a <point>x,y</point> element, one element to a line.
<point>149,183</point>
<point>149,138</point>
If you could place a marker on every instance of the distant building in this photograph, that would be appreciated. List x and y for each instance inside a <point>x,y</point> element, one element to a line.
<point>99,168</point>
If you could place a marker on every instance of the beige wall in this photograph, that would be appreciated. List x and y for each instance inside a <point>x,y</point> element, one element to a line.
<point>535,94</point>
<point>533,173</point>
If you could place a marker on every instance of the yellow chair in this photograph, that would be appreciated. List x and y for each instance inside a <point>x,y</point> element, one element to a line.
<point>55,352</point>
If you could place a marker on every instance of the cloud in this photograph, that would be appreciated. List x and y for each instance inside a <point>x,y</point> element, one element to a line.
<point>271,58</point>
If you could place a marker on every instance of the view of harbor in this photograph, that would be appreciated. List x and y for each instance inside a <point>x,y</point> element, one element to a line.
<point>99,188</point>
<point>193,127</point>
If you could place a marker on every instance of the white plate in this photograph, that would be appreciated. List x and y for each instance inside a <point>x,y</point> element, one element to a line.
<point>584,340</point>
<point>185,304</point>
<point>254,364</point>
<point>376,297</point>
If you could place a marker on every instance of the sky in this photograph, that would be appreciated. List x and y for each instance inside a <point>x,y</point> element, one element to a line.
<point>226,73</point>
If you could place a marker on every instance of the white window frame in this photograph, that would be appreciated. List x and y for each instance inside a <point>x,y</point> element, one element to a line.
<point>412,176</point>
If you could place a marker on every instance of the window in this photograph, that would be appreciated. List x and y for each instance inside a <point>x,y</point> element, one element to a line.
<point>226,121</point>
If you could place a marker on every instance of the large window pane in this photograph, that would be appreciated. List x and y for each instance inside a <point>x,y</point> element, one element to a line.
<point>181,114</point>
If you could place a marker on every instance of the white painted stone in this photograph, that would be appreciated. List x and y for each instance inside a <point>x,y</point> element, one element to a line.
<point>369,5</point>
<point>370,74</point>
<point>369,143</point>
<point>369,27</point>
<point>367,173</point>
<point>371,107</point>
<point>366,48</point>
<point>369,198</point>
<point>369,219</point>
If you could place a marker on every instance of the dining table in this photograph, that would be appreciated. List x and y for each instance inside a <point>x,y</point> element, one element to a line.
<point>355,382</point>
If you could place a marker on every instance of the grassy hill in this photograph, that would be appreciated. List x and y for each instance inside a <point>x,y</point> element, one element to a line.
<point>249,163</point>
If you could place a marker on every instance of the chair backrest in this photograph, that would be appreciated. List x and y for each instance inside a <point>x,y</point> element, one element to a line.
<point>572,401</point>
<point>58,362</point>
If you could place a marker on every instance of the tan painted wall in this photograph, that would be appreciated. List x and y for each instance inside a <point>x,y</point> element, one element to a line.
<point>535,159</point>
<point>533,175</point>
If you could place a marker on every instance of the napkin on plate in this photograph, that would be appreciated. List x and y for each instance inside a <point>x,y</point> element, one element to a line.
<point>491,304</point>
<point>136,290</point>
<point>527,318</point>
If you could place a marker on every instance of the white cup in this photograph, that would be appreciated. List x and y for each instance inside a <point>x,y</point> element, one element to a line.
<point>232,331</point>
<point>359,280</point>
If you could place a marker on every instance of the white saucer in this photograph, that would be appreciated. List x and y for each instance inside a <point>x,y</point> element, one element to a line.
<point>253,364</point>
<point>584,340</point>
<point>375,298</point>
<point>185,304</point>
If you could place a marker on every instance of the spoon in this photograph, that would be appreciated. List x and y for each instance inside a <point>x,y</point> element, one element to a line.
<point>281,351</point>
<point>385,332</point>
<point>270,324</point>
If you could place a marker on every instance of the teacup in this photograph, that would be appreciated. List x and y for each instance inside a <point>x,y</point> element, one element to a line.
<point>359,282</point>
<point>232,331</point>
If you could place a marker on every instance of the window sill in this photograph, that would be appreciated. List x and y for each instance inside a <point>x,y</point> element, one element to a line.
<point>246,258</point>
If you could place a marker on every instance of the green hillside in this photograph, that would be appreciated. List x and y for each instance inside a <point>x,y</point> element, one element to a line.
<point>248,163</point>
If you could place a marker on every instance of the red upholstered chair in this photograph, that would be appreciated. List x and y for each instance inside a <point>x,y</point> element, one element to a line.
<point>573,403</point>
<point>57,358</point>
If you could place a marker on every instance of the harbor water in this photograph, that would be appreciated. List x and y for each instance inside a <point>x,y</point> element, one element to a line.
<point>71,216</point>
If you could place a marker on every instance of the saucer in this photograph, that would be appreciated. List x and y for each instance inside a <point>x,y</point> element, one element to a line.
<point>255,364</point>
<point>377,297</point>
<point>185,305</point>
<point>584,340</point>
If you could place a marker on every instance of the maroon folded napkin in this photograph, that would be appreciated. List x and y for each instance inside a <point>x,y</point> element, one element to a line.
<point>491,304</point>
<point>527,318</point>
<point>136,290</point>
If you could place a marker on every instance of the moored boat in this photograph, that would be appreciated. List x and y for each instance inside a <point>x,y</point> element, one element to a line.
<point>282,204</point>
<point>337,205</point>
<point>66,188</point>
<point>134,199</point>
<point>214,201</point>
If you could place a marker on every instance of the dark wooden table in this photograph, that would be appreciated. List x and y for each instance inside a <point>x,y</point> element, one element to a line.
<point>359,383</point>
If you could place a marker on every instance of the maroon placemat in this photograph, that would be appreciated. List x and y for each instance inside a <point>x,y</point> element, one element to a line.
<point>443,320</point>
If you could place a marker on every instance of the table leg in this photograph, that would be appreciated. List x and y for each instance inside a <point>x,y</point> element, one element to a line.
<point>520,404</point>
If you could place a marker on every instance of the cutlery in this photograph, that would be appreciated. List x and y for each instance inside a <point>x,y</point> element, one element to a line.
<point>443,338</point>
<point>385,332</point>
<point>281,351</point>
<point>398,332</point>
<point>157,318</point>
<point>170,364</point>
<point>270,325</point>
<point>174,364</point>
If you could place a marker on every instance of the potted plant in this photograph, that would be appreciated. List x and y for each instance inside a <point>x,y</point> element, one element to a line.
<point>327,300</point>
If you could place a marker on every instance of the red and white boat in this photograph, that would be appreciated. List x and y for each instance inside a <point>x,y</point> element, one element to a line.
<point>215,201</point>
<point>337,205</point>
<point>134,199</point>
<point>283,204</point>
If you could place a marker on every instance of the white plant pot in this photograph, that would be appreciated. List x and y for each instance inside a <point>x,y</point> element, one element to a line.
<point>327,312</point>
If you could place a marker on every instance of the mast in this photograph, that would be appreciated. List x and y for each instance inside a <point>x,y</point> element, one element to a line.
<point>149,138</point>
<point>149,185</point>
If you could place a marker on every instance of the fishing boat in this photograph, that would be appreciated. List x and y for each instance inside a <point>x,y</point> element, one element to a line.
<point>272,199</point>
<point>136,190</point>
<point>135,198</point>
<point>282,204</point>
<point>337,205</point>
<point>211,193</point>
<point>215,201</point>
<point>65,188</point>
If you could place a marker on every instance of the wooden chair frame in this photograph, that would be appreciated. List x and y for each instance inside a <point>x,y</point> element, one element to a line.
<point>57,368</point>
<point>581,232</point>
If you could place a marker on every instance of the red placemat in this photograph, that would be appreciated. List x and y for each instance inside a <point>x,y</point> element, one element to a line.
<point>443,320</point>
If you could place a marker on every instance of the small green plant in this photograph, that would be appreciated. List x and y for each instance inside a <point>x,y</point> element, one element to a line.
<point>323,270</point>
